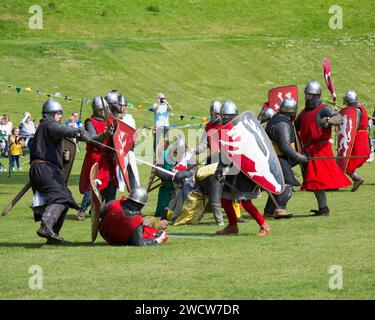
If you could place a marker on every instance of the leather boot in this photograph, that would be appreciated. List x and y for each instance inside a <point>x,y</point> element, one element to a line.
<point>57,240</point>
<point>264,230</point>
<point>357,184</point>
<point>44,231</point>
<point>229,229</point>
<point>282,213</point>
<point>321,212</point>
<point>49,219</point>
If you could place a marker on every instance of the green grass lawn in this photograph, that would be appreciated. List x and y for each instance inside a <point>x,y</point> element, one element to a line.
<point>193,51</point>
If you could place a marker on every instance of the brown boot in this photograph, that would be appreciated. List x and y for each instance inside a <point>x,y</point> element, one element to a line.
<point>357,184</point>
<point>264,229</point>
<point>229,229</point>
<point>281,213</point>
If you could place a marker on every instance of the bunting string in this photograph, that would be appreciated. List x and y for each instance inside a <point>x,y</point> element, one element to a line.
<point>141,107</point>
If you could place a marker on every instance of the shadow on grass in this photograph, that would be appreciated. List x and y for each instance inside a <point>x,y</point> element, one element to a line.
<point>31,245</point>
<point>302,216</point>
<point>23,178</point>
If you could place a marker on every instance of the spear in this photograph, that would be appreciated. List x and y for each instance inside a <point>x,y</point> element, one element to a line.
<point>337,157</point>
<point>342,107</point>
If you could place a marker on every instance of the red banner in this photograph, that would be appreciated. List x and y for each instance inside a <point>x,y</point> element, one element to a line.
<point>327,78</point>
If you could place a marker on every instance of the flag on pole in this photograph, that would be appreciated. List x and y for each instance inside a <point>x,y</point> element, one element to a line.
<point>327,78</point>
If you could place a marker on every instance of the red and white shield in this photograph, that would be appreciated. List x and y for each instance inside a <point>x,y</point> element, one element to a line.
<point>246,144</point>
<point>346,136</point>
<point>279,94</point>
<point>123,140</point>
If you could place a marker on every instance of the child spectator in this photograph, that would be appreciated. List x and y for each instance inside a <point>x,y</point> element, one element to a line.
<point>15,148</point>
<point>76,119</point>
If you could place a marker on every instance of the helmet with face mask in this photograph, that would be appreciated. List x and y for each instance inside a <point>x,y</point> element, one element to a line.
<point>215,111</point>
<point>289,107</point>
<point>228,111</point>
<point>350,98</point>
<point>97,105</point>
<point>112,100</point>
<point>266,114</point>
<point>313,91</point>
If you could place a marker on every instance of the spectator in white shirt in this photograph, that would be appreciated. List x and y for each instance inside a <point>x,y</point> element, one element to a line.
<point>6,126</point>
<point>161,119</point>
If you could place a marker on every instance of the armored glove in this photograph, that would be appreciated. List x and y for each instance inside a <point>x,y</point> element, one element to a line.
<point>219,175</point>
<point>303,159</point>
<point>331,121</point>
<point>84,135</point>
<point>160,239</point>
<point>179,176</point>
<point>110,131</point>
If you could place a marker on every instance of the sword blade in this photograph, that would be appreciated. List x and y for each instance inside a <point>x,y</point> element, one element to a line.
<point>16,198</point>
<point>181,236</point>
<point>139,160</point>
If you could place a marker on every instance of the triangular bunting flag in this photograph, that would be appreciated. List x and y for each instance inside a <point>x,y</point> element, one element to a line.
<point>18,90</point>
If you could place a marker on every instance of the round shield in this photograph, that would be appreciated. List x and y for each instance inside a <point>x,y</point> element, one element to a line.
<point>96,202</point>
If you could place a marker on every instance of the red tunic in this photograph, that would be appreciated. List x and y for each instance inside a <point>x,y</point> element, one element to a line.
<point>320,174</point>
<point>212,131</point>
<point>102,155</point>
<point>116,228</point>
<point>361,146</point>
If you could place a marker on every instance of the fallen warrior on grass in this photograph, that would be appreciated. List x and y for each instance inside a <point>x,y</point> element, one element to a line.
<point>122,222</point>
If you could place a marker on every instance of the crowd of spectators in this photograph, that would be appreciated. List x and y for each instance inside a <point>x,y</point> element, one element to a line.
<point>15,141</point>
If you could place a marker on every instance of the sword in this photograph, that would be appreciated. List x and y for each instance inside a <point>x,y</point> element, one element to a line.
<point>139,160</point>
<point>16,199</point>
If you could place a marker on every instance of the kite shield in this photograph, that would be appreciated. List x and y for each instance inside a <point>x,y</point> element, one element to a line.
<point>69,149</point>
<point>279,94</point>
<point>123,140</point>
<point>96,202</point>
<point>346,136</point>
<point>247,146</point>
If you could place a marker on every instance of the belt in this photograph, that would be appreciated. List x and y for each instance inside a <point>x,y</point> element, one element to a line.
<point>40,161</point>
<point>101,153</point>
<point>317,142</point>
